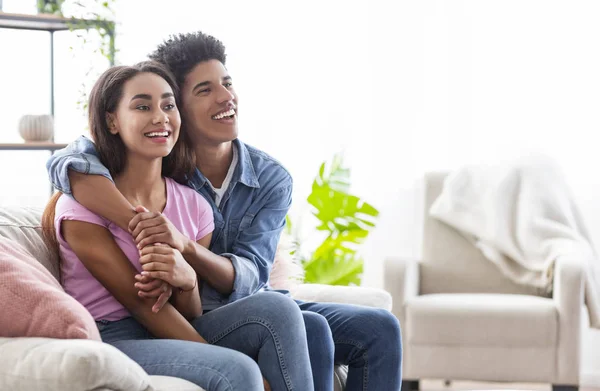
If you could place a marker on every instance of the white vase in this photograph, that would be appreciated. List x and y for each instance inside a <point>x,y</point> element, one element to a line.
<point>36,127</point>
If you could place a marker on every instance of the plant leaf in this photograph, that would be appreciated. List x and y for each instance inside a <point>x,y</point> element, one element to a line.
<point>340,211</point>
<point>335,176</point>
<point>335,270</point>
<point>346,241</point>
<point>288,225</point>
<point>346,218</point>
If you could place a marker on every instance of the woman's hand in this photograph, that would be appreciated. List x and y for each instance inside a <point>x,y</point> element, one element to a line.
<point>153,288</point>
<point>152,227</point>
<point>167,264</point>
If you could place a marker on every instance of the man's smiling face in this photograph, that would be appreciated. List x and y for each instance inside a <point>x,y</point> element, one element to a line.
<point>209,104</point>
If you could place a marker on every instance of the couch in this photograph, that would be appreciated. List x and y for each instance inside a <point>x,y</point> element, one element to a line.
<point>463,320</point>
<point>55,364</point>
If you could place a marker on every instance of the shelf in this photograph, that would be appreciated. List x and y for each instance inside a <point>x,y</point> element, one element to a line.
<point>32,146</point>
<point>39,22</point>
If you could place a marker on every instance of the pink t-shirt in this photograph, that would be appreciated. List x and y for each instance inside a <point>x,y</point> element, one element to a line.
<point>189,212</point>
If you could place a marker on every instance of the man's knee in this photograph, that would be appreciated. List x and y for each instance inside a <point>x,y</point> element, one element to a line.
<point>316,325</point>
<point>380,323</point>
<point>318,332</point>
<point>390,325</point>
<point>384,329</point>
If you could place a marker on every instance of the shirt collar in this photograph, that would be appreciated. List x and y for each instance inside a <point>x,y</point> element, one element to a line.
<point>244,172</point>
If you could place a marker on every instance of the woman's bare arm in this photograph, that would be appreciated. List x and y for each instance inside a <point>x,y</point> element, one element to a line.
<point>205,241</point>
<point>111,205</point>
<point>96,248</point>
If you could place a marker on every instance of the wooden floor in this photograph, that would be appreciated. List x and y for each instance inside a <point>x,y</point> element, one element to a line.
<point>435,385</point>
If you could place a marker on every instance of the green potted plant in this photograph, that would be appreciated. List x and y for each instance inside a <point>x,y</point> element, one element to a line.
<point>87,15</point>
<point>343,219</point>
<point>52,7</point>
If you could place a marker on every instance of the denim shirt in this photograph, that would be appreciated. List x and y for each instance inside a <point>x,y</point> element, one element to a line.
<point>248,222</point>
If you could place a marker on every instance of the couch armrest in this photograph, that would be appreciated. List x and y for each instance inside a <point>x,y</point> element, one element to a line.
<point>568,296</point>
<point>67,365</point>
<point>401,279</point>
<point>370,297</point>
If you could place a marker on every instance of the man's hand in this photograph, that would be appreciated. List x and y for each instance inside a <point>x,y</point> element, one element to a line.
<point>167,264</point>
<point>150,287</point>
<point>266,384</point>
<point>152,227</point>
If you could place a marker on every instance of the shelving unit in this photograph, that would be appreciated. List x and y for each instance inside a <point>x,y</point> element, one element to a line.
<point>51,24</point>
<point>40,22</point>
<point>32,146</point>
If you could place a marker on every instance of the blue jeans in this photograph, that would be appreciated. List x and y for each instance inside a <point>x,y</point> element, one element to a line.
<point>366,339</point>
<point>263,333</point>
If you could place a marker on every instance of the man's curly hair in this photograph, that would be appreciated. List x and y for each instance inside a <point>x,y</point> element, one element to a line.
<point>182,52</point>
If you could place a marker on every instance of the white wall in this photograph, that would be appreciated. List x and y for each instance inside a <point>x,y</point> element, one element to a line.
<point>402,87</point>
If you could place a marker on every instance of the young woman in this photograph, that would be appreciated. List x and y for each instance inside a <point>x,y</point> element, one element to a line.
<point>135,124</point>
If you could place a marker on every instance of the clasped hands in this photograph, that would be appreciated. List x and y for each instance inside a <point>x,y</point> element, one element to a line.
<point>163,266</point>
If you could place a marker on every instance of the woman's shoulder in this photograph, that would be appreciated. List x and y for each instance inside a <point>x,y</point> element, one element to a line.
<point>67,208</point>
<point>67,204</point>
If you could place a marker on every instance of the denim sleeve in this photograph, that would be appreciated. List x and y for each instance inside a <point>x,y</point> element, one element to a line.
<point>254,250</point>
<point>80,156</point>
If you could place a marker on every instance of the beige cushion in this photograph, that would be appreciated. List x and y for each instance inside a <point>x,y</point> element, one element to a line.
<point>492,364</point>
<point>23,225</point>
<point>481,320</point>
<point>451,264</point>
<point>67,365</point>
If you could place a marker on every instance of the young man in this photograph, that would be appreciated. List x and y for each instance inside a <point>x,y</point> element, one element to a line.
<point>250,194</point>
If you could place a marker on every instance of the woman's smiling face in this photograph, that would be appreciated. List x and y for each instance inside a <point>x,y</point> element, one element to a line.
<point>146,118</point>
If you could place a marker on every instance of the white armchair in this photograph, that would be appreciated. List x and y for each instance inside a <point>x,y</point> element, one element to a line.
<point>463,320</point>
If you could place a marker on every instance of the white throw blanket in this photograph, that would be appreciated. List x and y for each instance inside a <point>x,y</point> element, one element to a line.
<point>521,216</point>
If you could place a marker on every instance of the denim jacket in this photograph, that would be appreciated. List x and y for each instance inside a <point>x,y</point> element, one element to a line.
<point>248,222</point>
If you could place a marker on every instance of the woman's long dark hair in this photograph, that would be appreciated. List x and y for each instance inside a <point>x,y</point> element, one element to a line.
<point>104,98</point>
